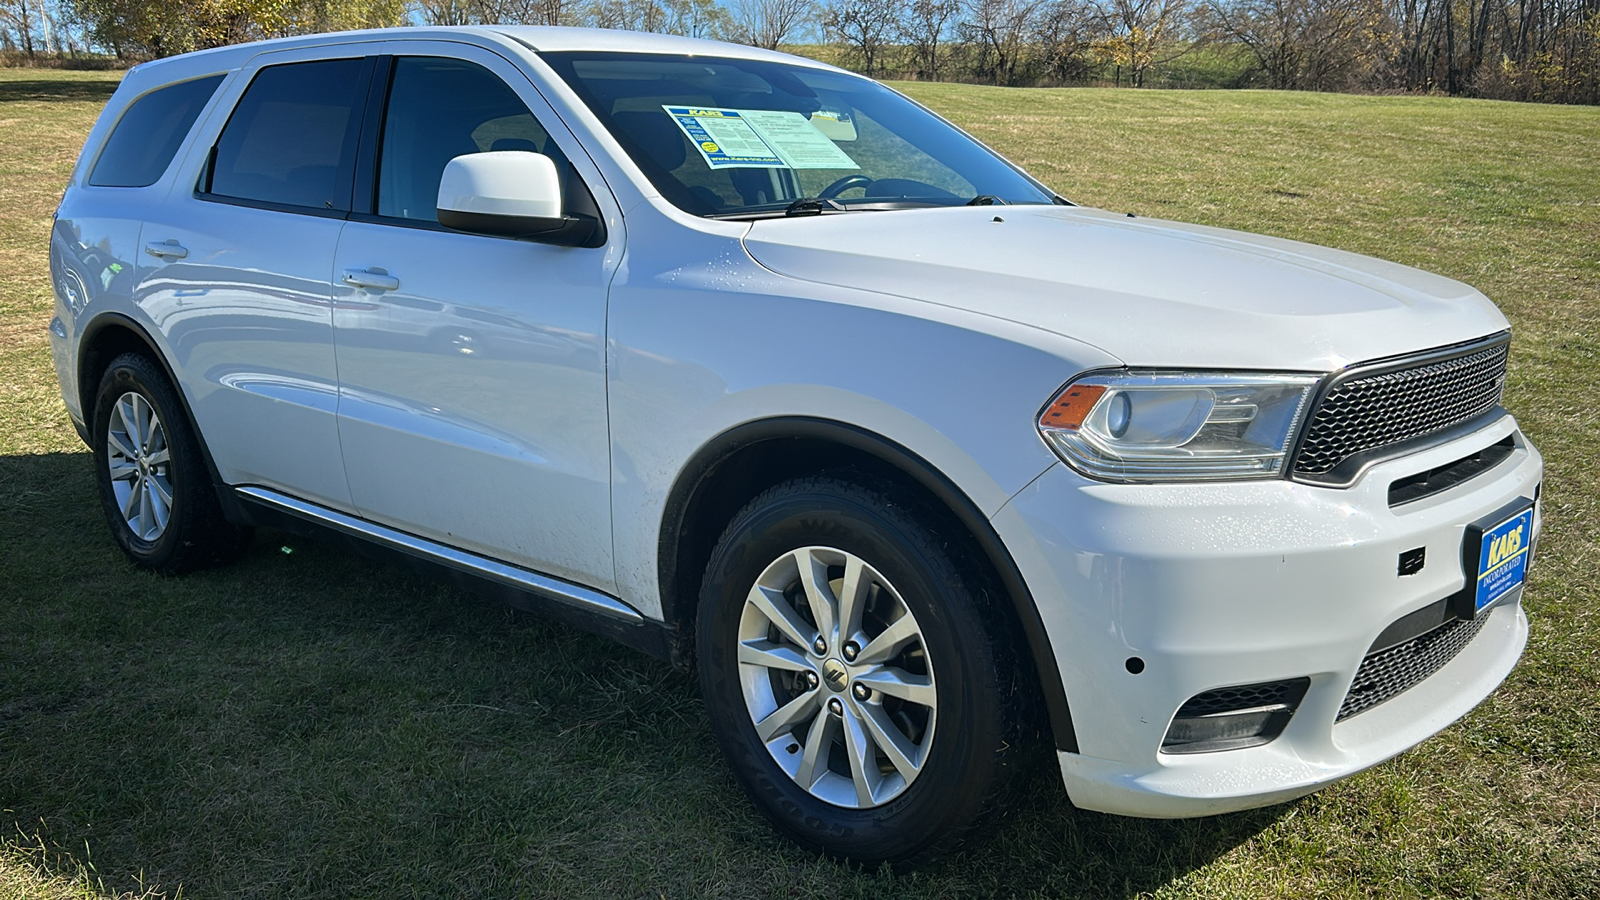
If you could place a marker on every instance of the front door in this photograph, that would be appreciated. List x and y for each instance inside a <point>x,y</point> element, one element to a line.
<point>472,393</point>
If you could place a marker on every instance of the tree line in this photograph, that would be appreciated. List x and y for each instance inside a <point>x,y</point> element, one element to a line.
<point>1545,50</point>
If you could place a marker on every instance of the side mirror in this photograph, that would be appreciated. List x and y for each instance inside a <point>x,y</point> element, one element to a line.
<point>509,193</point>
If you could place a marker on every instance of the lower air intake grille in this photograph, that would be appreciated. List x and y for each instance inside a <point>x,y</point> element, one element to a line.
<point>1233,718</point>
<point>1247,696</point>
<point>1391,671</point>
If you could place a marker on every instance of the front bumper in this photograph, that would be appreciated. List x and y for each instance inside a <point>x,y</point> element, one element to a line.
<point>1215,585</point>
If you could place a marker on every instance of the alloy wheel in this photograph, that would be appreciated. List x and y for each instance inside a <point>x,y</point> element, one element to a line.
<point>140,465</point>
<point>836,677</point>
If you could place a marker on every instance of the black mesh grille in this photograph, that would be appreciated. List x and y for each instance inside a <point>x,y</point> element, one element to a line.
<point>1391,671</point>
<point>1244,696</point>
<point>1367,412</point>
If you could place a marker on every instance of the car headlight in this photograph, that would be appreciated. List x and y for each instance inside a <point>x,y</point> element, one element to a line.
<point>1177,426</point>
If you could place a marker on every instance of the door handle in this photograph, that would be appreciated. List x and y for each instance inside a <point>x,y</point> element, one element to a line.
<point>371,279</point>
<point>167,249</point>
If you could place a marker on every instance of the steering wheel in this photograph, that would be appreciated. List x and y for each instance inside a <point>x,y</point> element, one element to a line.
<point>842,185</point>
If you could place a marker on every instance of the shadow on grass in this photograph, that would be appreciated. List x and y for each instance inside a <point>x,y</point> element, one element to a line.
<point>310,723</point>
<point>62,91</point>
<point>1047,847</point>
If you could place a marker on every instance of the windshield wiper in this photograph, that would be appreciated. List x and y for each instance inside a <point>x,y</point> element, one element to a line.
<point>813,206</point>
<point>987,200</point>
<point>805,206</point>
<point>816,206</point>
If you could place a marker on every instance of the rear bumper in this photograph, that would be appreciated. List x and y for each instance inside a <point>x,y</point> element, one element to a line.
<point>1215,585</point>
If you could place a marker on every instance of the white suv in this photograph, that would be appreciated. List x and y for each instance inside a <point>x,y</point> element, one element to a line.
<point>755,364</point>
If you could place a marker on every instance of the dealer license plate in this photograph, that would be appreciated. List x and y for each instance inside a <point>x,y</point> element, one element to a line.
<point>1503,558</point>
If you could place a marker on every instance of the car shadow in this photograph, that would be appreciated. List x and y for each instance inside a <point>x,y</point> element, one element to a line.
<point>309,722</point>
<point>60,91</point>
<point>1045,846</point>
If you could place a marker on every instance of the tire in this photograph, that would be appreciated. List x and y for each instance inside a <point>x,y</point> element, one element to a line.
<point>949,691</point>
<point>154,485</point>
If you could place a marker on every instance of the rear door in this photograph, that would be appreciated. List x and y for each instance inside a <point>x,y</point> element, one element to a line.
<point>472,369</point>
<point>237,262</point>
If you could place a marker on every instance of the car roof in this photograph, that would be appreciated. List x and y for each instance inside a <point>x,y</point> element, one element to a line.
<point>534,37</point>
<point>554,38</point>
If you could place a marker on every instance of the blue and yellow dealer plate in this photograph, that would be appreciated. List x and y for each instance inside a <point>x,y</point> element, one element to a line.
<point>1503,558</point>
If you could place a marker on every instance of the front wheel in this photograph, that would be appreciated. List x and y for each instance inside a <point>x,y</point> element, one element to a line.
<point>853,675</point>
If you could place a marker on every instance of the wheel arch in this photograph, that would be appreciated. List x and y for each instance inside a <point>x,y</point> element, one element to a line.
<point>739,463</point>
<point>106,337</point>
<point>112,334</point>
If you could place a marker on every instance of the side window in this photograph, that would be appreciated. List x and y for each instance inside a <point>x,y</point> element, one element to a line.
<point>440,109</point>
<point>145,139</point>
<point>292,138</point>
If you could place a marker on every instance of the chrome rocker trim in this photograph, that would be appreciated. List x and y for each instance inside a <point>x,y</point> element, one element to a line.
<point>522,579</point>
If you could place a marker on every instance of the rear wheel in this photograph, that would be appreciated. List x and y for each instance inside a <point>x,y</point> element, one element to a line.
<point>157,494</point>
<point>852,674</point>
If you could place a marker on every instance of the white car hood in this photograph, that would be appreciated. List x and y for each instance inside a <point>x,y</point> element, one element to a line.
<point>1151,293</point>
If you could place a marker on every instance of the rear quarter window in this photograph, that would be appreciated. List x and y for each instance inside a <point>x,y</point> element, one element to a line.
<point>145,139</point>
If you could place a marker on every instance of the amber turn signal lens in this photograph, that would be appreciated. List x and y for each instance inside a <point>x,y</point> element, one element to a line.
<point>1071,407</point>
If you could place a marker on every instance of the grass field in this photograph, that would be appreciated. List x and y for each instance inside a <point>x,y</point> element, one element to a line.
<point>311,724</point>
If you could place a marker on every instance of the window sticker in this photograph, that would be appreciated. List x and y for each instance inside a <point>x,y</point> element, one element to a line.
<point>798,141</point>
<point>758,138</point>
<point>724,138</point>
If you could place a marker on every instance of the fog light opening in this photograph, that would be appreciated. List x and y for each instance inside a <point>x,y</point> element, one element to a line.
<point>1234,718</point>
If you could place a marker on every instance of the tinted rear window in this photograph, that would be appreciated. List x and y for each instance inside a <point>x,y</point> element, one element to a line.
<point>292,138</point>
<point>147,136</point>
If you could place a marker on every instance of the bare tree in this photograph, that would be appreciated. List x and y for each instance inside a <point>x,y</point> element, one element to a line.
<point>611,14</point>
<point>923,29</point>
<point>865,26</point>
<point>698,18</point>
<point>1000,32</point>
<point>1064,31</point>
<point>690,18</point>
<point>650,15</point>
<point>768,23</point>
<point>1306,44</point>
<point>548,12</point>
<point>17,18</point>
<point>493,12</point>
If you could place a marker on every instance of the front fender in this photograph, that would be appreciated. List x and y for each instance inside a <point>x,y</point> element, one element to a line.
<point>697,351</point>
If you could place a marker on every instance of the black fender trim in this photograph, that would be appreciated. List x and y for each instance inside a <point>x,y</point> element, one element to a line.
<point>705,462</point>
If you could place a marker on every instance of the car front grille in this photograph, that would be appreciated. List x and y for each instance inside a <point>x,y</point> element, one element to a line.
<point>1370,410</point>
<point>1387,673</point>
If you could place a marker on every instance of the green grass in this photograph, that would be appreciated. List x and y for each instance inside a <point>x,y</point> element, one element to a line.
<point>311,724</point>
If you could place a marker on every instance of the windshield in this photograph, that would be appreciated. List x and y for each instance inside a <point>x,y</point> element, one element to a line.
<point>735,137</point>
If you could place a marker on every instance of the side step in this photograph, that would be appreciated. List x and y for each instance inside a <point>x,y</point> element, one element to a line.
<point>583,607</point>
